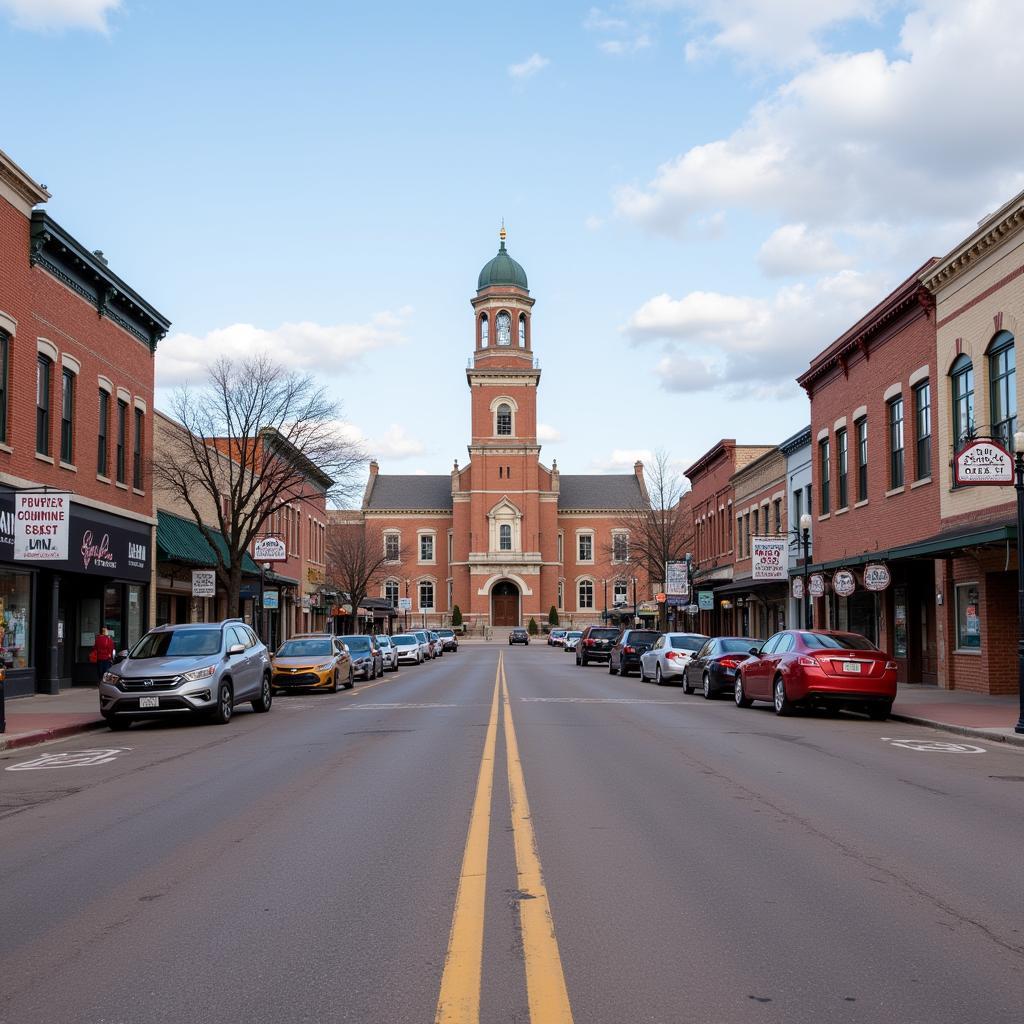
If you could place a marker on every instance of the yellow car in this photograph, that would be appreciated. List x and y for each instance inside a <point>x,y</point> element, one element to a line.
<point>312,662</point>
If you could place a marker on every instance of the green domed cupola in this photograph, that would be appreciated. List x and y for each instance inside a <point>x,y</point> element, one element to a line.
<point>502,270</point>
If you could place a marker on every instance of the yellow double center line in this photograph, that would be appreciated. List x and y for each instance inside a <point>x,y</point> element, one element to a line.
<point>459,999</point>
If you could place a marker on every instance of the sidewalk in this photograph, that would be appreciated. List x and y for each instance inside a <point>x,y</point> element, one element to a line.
<point>968,714</point>
<point>42,717</point>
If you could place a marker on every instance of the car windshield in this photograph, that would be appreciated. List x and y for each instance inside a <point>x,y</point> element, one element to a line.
<point>688,643</point>
<point>736,645</point>
<point>356,643</point>
<point>178,643</point>
<point>838,641</point>
<point>558,632</point>
<point>405,641</point>
<point>642,636</point>
<point>446,632</point>
<point>573,636</point>
<point>384,641</point>
<point>605,634</point>
<point>305,649</point>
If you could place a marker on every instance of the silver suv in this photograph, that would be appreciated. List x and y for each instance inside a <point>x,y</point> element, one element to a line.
<point>200,667</point>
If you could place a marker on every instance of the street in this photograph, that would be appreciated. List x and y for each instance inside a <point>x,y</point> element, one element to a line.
<point>679,861</point>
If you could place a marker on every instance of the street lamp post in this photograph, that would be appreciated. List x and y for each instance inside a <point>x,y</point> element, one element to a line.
<point>1018,447</point>
<point>406,606</point>
<point>604,616</point>
<point>634,600</point>
<point>805,537</point>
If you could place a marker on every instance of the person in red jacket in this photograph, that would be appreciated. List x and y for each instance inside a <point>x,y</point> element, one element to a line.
<point>103,651</point>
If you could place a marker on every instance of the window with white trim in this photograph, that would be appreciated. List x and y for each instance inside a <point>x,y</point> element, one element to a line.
<point>586,594</point>
<point>392,542</point>
<point>426,547</point>
<point>426,596</point>
<point>504,537</point>
<point>391,592</point>
<point>503,420</point>
<point>561,547</point>
<point>561,593</point>
<point>586,547</point>
<point>620,546</point>
<point>620,592</point>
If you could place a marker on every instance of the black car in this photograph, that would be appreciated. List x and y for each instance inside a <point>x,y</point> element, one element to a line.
<point>519,636</point>
<point>628,646</point>
<point>595,644</point>
<point>449,641</point>
<point>713,667</point>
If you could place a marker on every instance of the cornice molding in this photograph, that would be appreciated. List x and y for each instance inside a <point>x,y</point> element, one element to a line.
<point>25,190</point>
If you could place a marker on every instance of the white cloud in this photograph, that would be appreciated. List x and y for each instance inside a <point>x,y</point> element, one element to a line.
<point>622,47</point>
<point>622,460</point>
<point>694,314</point>
<point>625,37</point>
<point>598,20</point>
<point>548,434</point>
<point>529,67</point>
<point>324,349</point>
<point>44,15</point>
<point>795,249</point>
<point>394,444</point>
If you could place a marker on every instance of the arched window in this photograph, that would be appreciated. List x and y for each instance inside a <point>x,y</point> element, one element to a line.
<point>505,537</point>
<point>503,324</point>
<point>504,420</point>
<point>484,330</point>
<point>391,592</point>
<point>586,594</point>
<point>522,330</point>
<point>962,380</point>
<point>1002,376</point>
<point>426,596</point>
<point>620,593</point>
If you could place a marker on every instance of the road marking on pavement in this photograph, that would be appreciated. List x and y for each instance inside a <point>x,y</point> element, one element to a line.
<point>69,759</point>
<point>459,998</point>
<point>398,706</point>
<point>935,746</point>
<point>546,993</point>
<point>609,700</point>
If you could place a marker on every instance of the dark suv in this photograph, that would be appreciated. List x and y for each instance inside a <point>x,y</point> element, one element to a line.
<point>628,647</point>
<point>595,644</point>
<point>519,636</point>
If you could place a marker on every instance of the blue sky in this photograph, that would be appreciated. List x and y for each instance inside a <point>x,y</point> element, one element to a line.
<point>703,194</point>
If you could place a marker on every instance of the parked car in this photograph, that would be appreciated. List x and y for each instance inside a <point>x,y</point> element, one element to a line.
<point>312,661</point>
<point>818,667</point>
<point>199,668</point>
<point>715,664</point>
<point>556,638</point>
<point>408,648</point>
<point>436,644</point>
<point>366,655</point>
<point>425,645</point>
<point>629,645</point>
<point>519,636</point>
<point>388,653</point>
<point>449,641</point>
<point>595,644</point>
<point>668,657</point>
<point>572,638</point>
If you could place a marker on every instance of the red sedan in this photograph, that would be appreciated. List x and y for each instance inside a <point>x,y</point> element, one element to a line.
<point>818,667</point>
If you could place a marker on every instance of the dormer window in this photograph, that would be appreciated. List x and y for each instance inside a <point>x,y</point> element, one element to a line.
<point>484,330</point>
<point>504,420</point>
<point>522,330</point>
<point>504,325</point>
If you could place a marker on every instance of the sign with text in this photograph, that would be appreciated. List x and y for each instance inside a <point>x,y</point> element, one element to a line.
<point>983,462</point>
<point>706,600</point>
<point>271,599</point>
<point>677,579</point>
<point>844,583</point>
<point>798,588</point>
<point>816,585</point>
<point>269,549</point>
<point>768,558</point>
<point>204,583</point>
<point>405,604</point>
<point>877,576</point>
<point>41,527</point>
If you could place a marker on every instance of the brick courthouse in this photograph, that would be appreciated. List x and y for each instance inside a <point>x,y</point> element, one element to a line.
<point>505,537</point>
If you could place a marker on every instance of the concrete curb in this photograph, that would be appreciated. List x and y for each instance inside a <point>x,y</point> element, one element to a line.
<point>1013,740</point>
<point>59,732</point>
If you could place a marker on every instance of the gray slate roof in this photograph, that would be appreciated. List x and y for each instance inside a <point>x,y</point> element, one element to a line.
<point>615,492</point>
<point>410,493</point>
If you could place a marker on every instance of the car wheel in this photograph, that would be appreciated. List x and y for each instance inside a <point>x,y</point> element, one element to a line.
<point>622,669</point>
<point>225,704</point>
<point>577,659</point>
<point>658,678</point>
<point>742,700</point>
<point>262,703</point>
<point>687,688</point>
<point>583,660</point>
<point>351,679</point>
<point>708,692</point>
<point>783,705</point>
<point>612,670</point>
<point>880,711</point>
<point>117,723</point>
<point>334,682</point>
<point>643,674</point>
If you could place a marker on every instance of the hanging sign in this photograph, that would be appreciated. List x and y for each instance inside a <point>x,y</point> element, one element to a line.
<point>41,526</point>
<point>983,462</point>
<point>816,585</point>
<point>768,558</point>
<point>797,588</point>
<point>204,583</point>
<point>271,599</point>
<point>405,604</point>
<point>706,600</point>
<point>877,576</point>
<point>269,549</point>
<point>677,579</point>
<point>844,583</point>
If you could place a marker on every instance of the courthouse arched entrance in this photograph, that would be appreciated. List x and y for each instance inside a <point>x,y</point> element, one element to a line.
<point>504,604</point>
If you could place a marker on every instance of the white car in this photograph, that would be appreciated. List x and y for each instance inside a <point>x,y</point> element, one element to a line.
<point>388,652</point>
<point>668,657</point>
<point>572,638</point>
<point>408,648</point>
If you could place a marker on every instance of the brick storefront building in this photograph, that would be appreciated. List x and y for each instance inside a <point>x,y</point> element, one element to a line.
<point>506,537</point>
<point>76,397</point>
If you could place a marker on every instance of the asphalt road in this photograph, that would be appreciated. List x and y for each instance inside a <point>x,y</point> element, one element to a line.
<point>355,857</point>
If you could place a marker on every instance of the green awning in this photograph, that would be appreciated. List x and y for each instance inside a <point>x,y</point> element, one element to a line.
<point>181,540</point>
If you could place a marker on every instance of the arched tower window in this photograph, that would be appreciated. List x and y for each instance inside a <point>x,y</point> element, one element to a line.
<point>504,420</point>
<point>505,537</point>
<point>484,330</point>
<point>503,324</point>
<point>522,330</point>
<point>962,379</point>
<point>1002,376</point>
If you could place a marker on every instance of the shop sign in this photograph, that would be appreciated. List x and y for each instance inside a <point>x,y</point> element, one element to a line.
<point>405,604</point>
<point>314,575</point>
<point>305,602</point>
<point>647,608</point>
<point>983,462</point>
<point>797,588</point>
<point>675,600</point>
<point>844,583</point>
<point>877,576</point>
<point>204,583</point>
<point>816,585</point>
<point>271,599</point>
<point>706,600</point>
<point>692,609</point>
<point>677,579</point>
<point>269,549</point>
<point>768,558</point>
<point>41,526</point>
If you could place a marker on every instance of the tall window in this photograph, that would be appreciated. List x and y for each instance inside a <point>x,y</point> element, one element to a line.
<point>522,330</point>
<point>1002,375</point>
<point>43,405</point>
<point>561,548</point>
<point>825,468</point>
<point>504,418</point>
<point>484,330</point>
<point>739,536</point>
<point>5,355</point>
<point>896,443</point>
<point>391,592</point>
<point>561,593</point>
<point>778,515</point>
<point>620,592</point>
<point>426,596</point>
<point>67,417</point>
<point>391,546</point>
<point>923,430</point>
<point>137,450</point>
<point>843,467</point>
<point>798,506</point>
<point>620,547</point>
<point>505,537</point>
<point>757,523</point>
<point>746,520</point>
<point>962,375</point>
<point>426,547</point>
<point>122,439</point>
<point>586,547</point>
<point>103,438</point>
<point>861,426</point>
<point>586,594</point>
<point>503,327</point>
<point>810,500</point>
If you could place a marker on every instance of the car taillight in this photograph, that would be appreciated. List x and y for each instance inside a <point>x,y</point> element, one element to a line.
<point>588,642</point>
<point>805,662</point>
<point>890,666</point>
<point>628,650</point>
<point>675,655</point>
<point>729,662</point>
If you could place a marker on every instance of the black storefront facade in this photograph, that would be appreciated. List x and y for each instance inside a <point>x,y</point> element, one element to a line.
<point>50,612</point>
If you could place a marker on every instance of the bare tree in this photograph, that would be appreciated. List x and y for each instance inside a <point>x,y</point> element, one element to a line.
<point>257,437</point>
<point>357,559</point>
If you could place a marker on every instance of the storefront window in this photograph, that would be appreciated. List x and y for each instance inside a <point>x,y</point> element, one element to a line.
<point>112,614</point>
<point>900,622</point>
<point>15,627</point>
<point>134,614</point>
<point>968,617</point>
